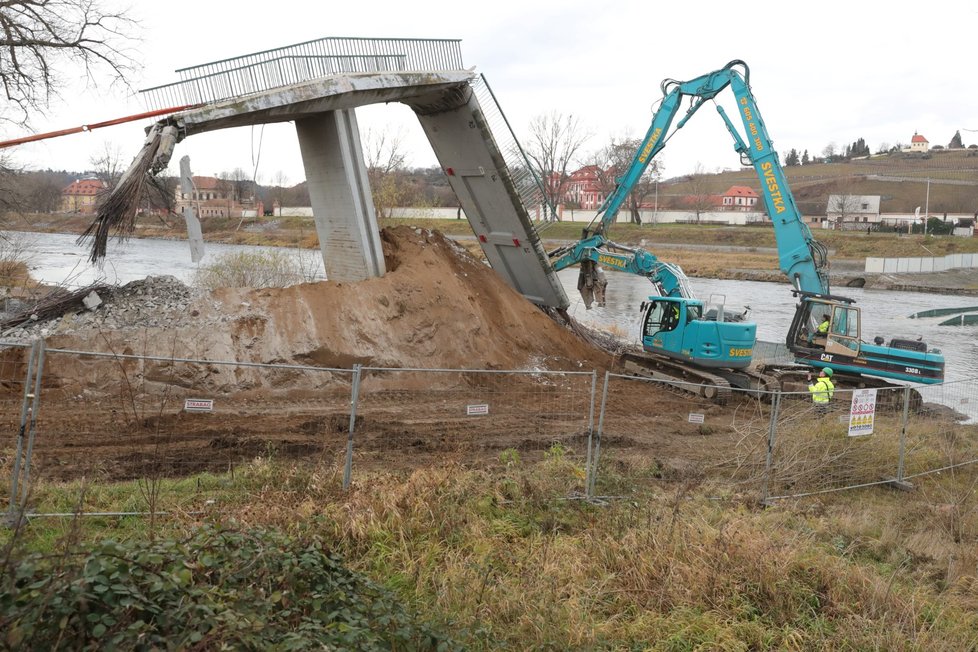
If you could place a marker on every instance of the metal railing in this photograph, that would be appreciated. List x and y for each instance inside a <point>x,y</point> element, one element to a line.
<point>524,175</point>
<point>303,62</point>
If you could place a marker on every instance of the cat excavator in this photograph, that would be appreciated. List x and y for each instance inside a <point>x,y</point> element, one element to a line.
<point>684,342</point>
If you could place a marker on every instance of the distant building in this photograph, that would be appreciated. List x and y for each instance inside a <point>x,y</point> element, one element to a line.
<point>739,198</point>
<point>855,211</point>
<point>82,196</point>
<point>735,198</point>
<point>213,197</point>
<point>918,143</point>
<point>584,188</point>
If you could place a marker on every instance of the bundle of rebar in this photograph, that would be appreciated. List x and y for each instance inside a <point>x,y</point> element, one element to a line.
<point>54,304</point>
<point>117,214</point>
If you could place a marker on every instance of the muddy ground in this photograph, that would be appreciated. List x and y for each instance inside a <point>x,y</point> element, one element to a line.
<point>122,415</point>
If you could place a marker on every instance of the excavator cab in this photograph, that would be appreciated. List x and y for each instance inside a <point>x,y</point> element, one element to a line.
<point>841,346</point>
<point>676,327</point>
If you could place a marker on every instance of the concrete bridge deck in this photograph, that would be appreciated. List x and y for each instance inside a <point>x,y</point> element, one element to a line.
<point>456,124</point>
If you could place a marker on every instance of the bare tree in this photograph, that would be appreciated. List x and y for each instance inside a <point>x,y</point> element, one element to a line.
<point>700,197</point>
<point>844,202</point>
<point>108,165</point>
<point>829,151</point>
<point>386,157</point>
<point>553,146</point>
<point>42,42</point>
<point>613,161</point>
<point>10,199</point>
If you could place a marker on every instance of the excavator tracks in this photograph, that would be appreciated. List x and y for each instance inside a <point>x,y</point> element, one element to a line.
<point>674,373</point>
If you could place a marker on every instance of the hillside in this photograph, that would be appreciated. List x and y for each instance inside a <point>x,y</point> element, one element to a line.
<point>900,179</point>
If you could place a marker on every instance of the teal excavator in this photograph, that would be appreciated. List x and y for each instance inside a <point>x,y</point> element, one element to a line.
<point>685,341</point>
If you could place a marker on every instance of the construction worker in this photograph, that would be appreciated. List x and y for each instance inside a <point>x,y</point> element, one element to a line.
<point>821,332</point>
<point>823,328</point>
<point>822,389</point>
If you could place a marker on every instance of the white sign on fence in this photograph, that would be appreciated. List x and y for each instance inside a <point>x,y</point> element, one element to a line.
<point>862,414</point>
<point>695,417</point>
<point>198,405</point>
<point>477,409</point>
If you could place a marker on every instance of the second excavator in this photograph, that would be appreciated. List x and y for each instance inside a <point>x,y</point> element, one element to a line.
<point>713,348</point>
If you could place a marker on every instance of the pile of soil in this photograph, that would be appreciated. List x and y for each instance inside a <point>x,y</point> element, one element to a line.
<point>436,307</point>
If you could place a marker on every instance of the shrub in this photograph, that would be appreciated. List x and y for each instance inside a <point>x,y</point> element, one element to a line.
<point>220,589</point>
<point>261,269</point>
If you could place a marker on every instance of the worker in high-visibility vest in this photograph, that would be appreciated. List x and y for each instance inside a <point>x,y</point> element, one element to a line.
<point>822,389</point>
<point>821,332</point>
<point>823,328</point>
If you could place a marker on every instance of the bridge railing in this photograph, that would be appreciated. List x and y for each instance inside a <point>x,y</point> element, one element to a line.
<point>302,62</point>
<point>523,173</point>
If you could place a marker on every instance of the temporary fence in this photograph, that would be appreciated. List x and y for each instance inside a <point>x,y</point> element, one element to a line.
<point>138,426</point>
<point>144,424</point>
<point>470,417</point>
<point>779,445</point>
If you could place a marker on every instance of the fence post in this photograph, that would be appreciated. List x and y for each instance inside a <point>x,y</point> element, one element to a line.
<point>898,482</point>
<point>12,516</point>
<point>590,434</point>
<point>771,435</point>
<point>32,426</point>
<point>354,397</point>
<point>593,475</point>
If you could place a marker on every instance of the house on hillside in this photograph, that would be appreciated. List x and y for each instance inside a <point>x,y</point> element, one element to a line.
<point>213,197</point>
<point>851,212</point>
<point>739,198</point>
<point>735,198</point>
<point>82,195</point>
<point>918,143</point>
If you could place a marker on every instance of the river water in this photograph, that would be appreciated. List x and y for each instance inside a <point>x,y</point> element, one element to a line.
<point>55,258</point>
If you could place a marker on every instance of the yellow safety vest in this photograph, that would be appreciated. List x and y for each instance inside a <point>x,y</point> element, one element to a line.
<point>821,390</point>
<point>823,327</point>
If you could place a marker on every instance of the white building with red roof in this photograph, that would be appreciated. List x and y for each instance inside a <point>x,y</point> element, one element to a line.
<point>918,143</point>
<point>739,198</point>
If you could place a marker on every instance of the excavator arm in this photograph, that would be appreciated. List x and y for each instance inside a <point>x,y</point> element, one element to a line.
<point>802,258</point>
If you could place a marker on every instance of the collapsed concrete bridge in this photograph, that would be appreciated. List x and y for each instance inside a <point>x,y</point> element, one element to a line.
<point>319,84</point>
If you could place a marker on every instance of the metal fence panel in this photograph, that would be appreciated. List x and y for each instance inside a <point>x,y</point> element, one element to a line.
<point>406,418</point>
<point>649,425</point>
<point>151,421</point>
<point>821,449</point>
<point>942,428</point>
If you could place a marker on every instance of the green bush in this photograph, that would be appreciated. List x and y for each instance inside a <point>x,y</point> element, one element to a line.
<point>220,589</point>
<point>261,269</point>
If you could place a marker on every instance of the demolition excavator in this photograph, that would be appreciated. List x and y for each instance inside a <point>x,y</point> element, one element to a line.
<point>682,340</point>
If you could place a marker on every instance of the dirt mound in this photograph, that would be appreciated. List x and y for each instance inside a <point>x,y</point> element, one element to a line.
<point>437,307</point>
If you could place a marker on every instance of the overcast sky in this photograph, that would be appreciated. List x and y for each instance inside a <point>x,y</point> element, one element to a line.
<point>821,72</point>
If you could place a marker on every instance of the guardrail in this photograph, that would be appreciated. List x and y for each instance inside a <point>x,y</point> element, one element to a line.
<point>302,62</point>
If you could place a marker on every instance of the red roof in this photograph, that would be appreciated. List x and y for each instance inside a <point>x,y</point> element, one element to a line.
<point>84,187</point>
<point>207,183</point>
<point>917,138</point>
<point>740,191</point>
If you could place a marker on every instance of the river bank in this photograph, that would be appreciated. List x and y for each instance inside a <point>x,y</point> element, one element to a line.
<point>702,252</point>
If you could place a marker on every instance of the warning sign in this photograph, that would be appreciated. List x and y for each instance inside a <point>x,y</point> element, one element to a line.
<point>477,409</point>
<point>198,405</point>
<point>862,413</point>
<point>696,417</point>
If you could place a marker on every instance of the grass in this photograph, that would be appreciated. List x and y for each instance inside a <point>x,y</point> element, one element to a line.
<point>502,560</point>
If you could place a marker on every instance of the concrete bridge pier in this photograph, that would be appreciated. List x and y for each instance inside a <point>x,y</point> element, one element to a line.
<point>339,190</point>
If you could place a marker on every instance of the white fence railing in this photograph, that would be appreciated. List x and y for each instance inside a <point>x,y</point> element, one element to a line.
<point>923,264</point>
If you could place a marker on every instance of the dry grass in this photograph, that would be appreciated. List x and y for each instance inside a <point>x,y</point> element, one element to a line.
<point>502,560</point>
